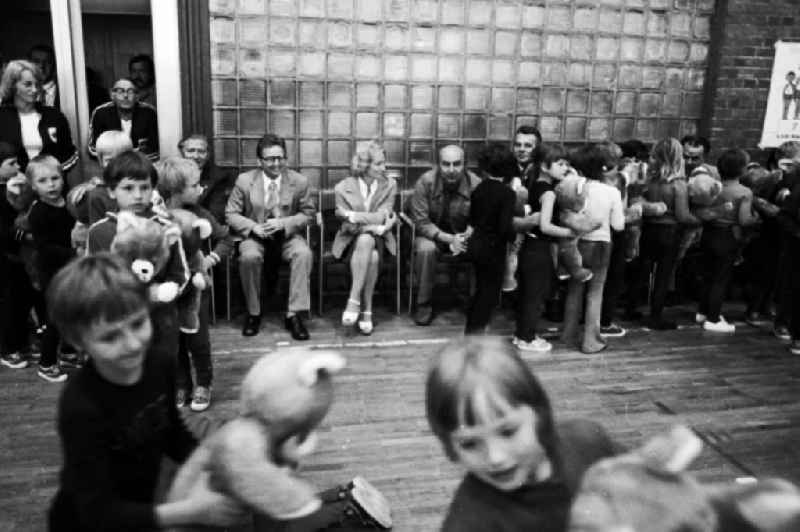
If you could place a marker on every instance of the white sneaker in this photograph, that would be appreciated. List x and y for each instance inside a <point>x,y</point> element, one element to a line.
<point>721,326</point>
<point>537,345</point>
<point>699,318</point>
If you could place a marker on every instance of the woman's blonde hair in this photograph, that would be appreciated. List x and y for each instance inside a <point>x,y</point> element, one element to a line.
<point>667,155</point>
<point>365,153</point>
<point>12,74</point>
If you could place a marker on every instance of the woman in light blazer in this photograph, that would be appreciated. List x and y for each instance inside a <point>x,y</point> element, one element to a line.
<point>365,204</point>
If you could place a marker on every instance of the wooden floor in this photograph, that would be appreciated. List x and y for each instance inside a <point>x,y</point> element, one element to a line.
<point>740,392</point>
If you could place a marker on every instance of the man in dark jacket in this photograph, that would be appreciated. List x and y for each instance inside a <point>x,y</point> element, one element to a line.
<point>124,112</point>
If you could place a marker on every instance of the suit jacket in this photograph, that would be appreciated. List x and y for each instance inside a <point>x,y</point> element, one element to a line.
<point>144,127</point>
<point>245,207</point>
<point>348,198</point>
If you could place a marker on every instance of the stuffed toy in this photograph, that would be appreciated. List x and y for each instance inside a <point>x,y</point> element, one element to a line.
<point>194,232</point>
<point>649,490</point>
<point>521,208</point>
<point>571,200</point>
<point>145,244</point>
<point>252,458</point>
<point>703,188</point>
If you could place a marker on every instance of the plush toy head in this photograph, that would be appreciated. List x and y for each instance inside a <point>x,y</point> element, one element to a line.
<point>571,193</point>
<point>703,188</point>
<point>193,229</point>
<point>143,243</point>
<point>290,392</point>
<point>648,490</point>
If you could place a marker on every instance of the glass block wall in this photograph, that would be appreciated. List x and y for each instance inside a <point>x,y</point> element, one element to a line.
<point>420,74</point>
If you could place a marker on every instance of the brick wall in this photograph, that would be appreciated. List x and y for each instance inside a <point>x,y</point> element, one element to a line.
<point>743,38</point>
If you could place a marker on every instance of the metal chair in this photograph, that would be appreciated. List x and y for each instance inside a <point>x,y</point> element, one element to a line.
<point>444,260</point>
<point>328,226</point>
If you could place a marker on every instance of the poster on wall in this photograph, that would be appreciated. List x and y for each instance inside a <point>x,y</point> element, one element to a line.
<point>782,119</point>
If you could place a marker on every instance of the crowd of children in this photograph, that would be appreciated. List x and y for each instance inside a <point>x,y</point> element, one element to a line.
<point>622,220</point>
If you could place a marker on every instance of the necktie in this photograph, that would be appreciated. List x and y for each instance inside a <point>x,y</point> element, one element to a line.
<point>271,204</point>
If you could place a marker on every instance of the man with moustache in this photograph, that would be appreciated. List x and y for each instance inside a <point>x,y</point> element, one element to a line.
<point>126,113</point>
<point>440,213</point>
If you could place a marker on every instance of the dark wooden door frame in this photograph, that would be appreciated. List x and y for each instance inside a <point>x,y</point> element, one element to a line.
<point>193,21</point>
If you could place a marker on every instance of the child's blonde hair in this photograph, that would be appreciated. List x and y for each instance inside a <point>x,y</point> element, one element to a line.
<point>173,172</point>
<point>667,156</point>
<point>42,162</point>
<point>112,143</point>
<point>470,366</point>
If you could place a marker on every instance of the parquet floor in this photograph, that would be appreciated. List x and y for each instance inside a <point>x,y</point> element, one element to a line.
<point>741,392</point>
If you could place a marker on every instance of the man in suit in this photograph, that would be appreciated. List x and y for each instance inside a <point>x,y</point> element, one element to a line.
<point>126,113</point>
<point>270,208</point>
<point>440,212</point>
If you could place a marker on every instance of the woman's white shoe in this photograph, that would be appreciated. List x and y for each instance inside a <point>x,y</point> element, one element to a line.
<point>365,323</point>
<point>349,317</point>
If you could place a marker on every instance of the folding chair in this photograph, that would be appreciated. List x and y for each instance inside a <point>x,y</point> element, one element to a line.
<point>328,226</point>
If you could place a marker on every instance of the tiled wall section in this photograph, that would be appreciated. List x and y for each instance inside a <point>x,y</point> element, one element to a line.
<point>421,73</point>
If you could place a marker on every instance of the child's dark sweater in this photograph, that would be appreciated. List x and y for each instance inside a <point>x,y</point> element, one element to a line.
<point>113,439</point>
<point>491,213</point>
<point>51,227</point>
<point>544,506</point>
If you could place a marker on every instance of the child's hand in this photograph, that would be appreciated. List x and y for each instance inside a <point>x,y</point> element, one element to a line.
<point>76,194</point>
<point>213,508</point>
<point>209,261</point>
<point>660,208</point>
<point>15,184</point>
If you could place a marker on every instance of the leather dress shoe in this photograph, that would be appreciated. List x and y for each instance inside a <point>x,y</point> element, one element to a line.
<point>251,325</point>
<point>294,325</point>
<point>423,315</point>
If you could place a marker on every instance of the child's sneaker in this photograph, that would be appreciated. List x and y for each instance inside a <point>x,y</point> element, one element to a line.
<point>71,361</point>
<point>201,399</point>
<point>781,332</point>
<point>14,361</point>
<point>181,396</point>
<point>537,345</point>
<point>613,331</point>
<point>795,347</point>
<point>583,275</point>
<point>51,373</point>
<point>720,326</point>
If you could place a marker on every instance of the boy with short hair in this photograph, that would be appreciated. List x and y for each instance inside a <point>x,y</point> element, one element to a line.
<point>130,178</point>
<point>115,417</point>
<point>50,224</point>
<point>90,201</point>
<point>179,186</point>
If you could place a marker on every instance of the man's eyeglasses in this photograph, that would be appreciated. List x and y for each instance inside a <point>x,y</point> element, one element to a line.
<point>275,159</point>
<point>122,92</point>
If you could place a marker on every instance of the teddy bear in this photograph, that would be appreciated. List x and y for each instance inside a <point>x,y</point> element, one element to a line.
<point>145,244</point>
<point>703,188</point>
<point>253,457</point>
<point>571,201</point>
<point>194,231</point>
<point>649,489</point>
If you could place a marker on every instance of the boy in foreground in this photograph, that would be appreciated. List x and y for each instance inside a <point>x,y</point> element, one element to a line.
<point>117,417</point>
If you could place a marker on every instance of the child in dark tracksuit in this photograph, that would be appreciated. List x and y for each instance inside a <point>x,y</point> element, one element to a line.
<point>491,214</point>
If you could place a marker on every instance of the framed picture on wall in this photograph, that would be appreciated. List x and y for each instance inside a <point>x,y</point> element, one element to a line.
<point>782,118</point>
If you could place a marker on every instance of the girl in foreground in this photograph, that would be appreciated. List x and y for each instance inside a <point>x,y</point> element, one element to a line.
<point>493,417</point>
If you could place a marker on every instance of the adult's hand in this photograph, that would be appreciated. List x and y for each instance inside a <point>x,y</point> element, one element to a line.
<point>459,244</point>
<point>272,226</point>
<point>259,230</point>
